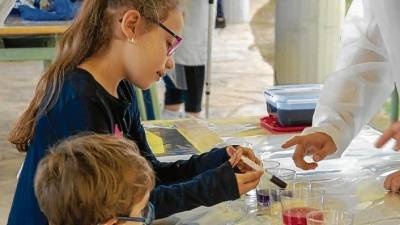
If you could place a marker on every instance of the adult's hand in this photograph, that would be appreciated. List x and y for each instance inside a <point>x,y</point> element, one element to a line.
<point>318,144</point>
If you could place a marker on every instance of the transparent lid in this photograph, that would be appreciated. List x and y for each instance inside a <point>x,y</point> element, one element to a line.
<point>294,87</point>
<point>288,95</point>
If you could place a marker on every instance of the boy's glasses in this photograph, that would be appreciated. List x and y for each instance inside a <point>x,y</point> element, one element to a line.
<point>147,218</point>
<point>171,49</point>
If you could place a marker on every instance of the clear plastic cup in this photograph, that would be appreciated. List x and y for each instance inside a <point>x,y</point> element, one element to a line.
<point>262,190</point>
<point>297,203</point>
<point>330,217</point>
<point>270,164</point>
<point>275,192</point>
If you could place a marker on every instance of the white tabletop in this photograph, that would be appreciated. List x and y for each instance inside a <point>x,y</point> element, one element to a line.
<point>354,182</point>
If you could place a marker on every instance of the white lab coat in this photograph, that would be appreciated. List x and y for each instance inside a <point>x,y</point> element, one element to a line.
<point>193,50</point>
<point>368,68</point>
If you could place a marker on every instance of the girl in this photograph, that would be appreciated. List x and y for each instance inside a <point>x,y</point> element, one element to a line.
<point>111,45</point>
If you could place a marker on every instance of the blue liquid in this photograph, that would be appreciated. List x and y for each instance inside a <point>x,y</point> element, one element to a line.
<point>263,198</point>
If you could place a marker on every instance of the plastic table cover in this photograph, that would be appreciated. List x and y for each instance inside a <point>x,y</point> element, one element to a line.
<point>353,183</point>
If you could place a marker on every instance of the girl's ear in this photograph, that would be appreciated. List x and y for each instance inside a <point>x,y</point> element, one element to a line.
<point>110,222</point>
<point>130,24</point>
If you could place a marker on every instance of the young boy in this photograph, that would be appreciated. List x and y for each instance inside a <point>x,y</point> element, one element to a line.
<point>95,179</point>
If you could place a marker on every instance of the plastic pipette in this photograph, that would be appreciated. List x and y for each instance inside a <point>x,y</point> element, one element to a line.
<point>275,180</point>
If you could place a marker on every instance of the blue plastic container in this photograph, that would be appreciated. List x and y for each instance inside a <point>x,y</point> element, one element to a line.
<point>293,105</point>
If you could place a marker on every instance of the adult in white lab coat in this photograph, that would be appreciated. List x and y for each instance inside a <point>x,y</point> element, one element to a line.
<point>186,82</point>
<point>368,69</point>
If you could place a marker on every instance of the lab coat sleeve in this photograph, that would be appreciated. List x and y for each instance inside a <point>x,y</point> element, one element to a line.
<point>362,82</point>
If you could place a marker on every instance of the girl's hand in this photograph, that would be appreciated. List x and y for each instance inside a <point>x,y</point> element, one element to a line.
<point>248,181</point>
<point>236,154</point>
<point>392,132</point>
<point>392,182</point>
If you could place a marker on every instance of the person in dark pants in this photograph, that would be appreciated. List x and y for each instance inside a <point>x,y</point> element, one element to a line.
<point>220,22</point>
<point>192,96</point>
<point>185,83</point>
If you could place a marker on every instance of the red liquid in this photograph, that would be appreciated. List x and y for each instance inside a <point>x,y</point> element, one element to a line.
<point>296,216</point>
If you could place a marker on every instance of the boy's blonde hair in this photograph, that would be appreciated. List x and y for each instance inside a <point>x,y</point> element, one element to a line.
<point>90,179</point>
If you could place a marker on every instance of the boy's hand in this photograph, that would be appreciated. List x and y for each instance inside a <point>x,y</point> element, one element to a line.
<point>319,145</point>
<point>248,181</point>
<point>236,154</point>
<point>392,182</point>
<point>392,132</point>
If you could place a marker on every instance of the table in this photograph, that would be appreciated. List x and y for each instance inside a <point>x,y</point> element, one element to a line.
<point>353,183</point>
<point>17,28</point>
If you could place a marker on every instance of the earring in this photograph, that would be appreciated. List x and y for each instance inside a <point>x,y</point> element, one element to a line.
<point>131,40</point>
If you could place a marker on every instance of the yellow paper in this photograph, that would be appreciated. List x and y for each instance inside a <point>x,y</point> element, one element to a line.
<point>156,143</point>
<point>202,138</point>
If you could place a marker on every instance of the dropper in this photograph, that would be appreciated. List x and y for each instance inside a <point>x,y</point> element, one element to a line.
<point>274,179</point>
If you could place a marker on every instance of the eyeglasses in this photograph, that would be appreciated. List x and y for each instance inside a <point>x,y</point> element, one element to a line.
<point>171,49</point>
<point>147,218</point>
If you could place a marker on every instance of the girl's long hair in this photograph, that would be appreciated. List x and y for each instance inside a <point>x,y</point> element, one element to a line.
<point>91,31</point>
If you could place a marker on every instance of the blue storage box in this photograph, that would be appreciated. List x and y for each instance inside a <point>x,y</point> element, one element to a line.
<point>293,105</point>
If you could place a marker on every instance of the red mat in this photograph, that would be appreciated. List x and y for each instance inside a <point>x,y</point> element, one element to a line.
<point>271,123</point>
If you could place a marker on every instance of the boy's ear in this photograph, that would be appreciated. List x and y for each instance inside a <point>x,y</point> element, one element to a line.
<point>130,23</point>
<point>110,222</point>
